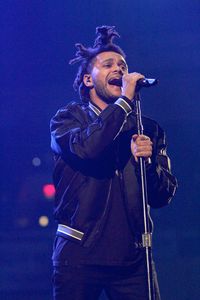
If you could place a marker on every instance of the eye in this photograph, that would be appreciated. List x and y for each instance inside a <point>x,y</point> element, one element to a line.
<point>123,67</point>
<point>107,65</point>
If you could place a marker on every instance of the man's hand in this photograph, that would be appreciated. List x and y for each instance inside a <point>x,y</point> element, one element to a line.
<point>141,146</point>
<point>129,82</point>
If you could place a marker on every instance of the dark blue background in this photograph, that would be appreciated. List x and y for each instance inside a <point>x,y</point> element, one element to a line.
<point>161,39</point>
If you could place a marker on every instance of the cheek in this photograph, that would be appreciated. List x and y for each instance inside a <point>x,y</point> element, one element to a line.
<point>99,81</point>
<point>96,74</point>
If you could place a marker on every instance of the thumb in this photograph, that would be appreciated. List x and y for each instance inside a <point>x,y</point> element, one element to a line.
<point>134,137</point>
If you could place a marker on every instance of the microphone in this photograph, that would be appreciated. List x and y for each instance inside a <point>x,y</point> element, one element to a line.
<point>147,82</point>
<point>144,82</point>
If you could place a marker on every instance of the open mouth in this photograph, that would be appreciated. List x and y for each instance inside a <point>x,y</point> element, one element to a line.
<point>115,81</point>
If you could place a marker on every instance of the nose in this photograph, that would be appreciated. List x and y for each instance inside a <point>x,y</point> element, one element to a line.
<point>119,69</point>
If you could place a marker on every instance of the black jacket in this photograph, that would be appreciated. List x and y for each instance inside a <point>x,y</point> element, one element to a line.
<point>89,147</point>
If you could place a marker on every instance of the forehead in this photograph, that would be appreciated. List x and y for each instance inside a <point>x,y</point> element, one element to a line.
<point>110,55</point>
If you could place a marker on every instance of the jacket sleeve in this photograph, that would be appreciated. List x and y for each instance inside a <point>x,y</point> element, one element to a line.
<point>161,183</point>
<point>72,135</point>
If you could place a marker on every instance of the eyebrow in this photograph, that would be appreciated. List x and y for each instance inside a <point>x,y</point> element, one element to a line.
<point>111,60</point>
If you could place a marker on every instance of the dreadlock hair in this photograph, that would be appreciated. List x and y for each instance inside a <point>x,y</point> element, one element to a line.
<point>85,56</point>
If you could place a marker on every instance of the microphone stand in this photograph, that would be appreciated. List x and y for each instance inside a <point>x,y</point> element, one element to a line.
<point>147,235</point>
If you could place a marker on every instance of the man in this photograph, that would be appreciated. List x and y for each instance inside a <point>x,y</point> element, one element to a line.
<point>98,202</point>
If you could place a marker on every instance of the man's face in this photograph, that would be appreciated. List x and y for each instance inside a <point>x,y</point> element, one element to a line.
<point>106,67</point>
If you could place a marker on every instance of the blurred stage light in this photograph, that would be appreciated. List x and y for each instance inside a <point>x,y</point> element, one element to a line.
<point>49,191</point>
<point>43,221</point>
<point>36,162</point>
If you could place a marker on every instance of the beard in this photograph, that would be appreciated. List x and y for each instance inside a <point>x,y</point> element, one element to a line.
<point>104,94</point>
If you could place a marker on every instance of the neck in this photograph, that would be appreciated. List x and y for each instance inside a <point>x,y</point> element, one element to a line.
<point>100,103</point>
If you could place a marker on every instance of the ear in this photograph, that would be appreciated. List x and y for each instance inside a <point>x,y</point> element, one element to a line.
<point>87,79</point>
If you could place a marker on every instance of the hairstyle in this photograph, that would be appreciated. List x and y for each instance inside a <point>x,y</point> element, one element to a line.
<point>85,56</point>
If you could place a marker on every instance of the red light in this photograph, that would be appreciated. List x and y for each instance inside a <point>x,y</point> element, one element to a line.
<point>48,191</point>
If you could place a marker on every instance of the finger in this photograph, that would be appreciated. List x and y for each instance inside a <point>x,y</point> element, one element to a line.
<point>137,75</point>
<point>143,148</point>
<point>134,137</point>
<point>143,154</point>
<point>143,143</point>
<point>143,137</point>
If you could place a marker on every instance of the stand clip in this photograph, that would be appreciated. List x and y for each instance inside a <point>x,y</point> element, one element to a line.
<point>146,240</point>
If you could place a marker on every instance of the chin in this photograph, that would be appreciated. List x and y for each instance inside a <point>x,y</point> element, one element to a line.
<point>110,96</point>
<point>115,96</point>
<point>111,99</point>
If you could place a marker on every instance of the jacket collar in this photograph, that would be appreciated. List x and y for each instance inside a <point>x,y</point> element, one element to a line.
<point>95,108</point>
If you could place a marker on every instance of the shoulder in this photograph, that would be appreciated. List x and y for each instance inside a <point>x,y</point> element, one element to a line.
<point>71,109</point>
